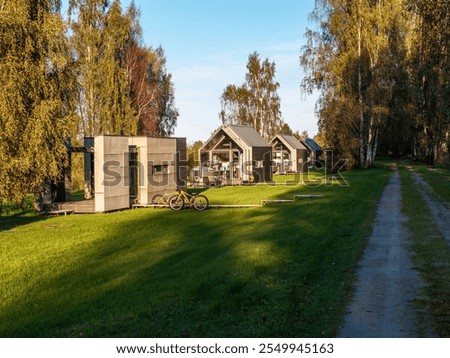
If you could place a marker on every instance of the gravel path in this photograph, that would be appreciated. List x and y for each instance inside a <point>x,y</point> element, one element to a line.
<point>387,283</point>
<point>439,210</point>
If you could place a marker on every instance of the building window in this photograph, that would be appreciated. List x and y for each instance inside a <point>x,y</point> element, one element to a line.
<point>160,169</point>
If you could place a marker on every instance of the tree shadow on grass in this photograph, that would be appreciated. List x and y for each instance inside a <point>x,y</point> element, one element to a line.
<point>9,222</point>
<point>277,271</point>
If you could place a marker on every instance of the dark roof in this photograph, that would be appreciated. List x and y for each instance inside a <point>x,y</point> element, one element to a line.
<point>247,134</point>
<point>311,144</point>
<point>290,141</point>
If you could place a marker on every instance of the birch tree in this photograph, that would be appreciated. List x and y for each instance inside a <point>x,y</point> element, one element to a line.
<point>350,58</point>
<point>116,114</point>
<point>256,102</point>
<point>100,34</point>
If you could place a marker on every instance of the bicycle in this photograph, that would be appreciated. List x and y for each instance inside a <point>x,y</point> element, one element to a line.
<point>182,198</point>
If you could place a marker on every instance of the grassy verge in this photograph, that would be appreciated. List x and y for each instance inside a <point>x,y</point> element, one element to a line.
<point>276,271</point>
<point>438,178</point>
<point>431,255</point>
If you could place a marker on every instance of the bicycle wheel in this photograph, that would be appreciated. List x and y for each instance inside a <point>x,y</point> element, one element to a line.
<point>200,202</point>
<point>176,202</point>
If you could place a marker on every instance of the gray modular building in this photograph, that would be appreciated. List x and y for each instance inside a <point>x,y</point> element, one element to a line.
<point>134,169</point>
<point>123,170</point>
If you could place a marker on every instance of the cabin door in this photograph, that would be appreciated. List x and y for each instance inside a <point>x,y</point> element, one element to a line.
<point>134,167</point>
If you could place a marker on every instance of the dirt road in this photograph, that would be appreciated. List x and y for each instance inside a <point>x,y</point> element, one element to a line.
<point>387,283</point>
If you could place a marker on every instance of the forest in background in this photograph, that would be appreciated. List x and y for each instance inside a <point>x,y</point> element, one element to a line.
<point>61,78</point>
<point>382,68</point>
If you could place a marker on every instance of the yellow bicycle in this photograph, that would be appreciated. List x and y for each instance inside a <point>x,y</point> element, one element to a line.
<point>183,198</point>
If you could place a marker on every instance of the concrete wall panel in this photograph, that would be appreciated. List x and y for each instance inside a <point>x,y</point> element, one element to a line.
<point>158,167</point>
<point>111,173</point>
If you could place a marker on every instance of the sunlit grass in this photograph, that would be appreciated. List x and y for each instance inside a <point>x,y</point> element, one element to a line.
<point>276,271</point>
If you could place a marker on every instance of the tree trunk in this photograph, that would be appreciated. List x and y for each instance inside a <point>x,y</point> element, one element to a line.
<point>362,142</point>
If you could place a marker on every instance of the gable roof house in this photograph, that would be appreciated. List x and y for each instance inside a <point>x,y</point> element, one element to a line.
<point>238,154</point>
<point>289,154</point>
<point>315,150</point>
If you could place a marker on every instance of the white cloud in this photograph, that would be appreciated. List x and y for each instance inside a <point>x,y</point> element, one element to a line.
<point>199,87</point>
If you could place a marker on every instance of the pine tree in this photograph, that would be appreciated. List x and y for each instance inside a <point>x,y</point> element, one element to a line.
<point>37,84</point>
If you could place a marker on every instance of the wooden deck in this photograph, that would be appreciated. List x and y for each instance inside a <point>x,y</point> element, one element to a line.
<point>297,196</point>
<point>275,201</point>
<point>59,212</point>
<point>76,207</point>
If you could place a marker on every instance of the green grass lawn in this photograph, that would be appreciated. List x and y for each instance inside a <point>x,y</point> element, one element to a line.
<point>276,271</point>
<point>438,178</point>
<point>431,253</point>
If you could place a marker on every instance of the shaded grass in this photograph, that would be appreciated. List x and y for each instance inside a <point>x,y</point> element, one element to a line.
<point>12,209</point>
<point>431,255</point>
<point>12,215</point>
<point>275,271</point>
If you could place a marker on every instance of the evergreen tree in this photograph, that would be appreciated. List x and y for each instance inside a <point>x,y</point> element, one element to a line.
<point>37,84</point>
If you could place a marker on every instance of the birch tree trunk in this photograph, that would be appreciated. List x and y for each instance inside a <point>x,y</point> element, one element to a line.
<point>362,126</point>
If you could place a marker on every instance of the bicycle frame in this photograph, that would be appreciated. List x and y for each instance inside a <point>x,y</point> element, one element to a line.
<point>163,200</point>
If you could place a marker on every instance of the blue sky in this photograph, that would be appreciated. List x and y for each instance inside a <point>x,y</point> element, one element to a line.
<point>207,44</point>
